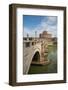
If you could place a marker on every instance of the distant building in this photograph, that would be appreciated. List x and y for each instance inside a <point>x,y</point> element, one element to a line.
<point>45,34</point>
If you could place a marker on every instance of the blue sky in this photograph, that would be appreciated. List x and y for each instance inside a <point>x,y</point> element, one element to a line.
<point>39,24</point>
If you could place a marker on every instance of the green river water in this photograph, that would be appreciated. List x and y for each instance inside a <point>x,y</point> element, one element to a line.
<point>51,67</point>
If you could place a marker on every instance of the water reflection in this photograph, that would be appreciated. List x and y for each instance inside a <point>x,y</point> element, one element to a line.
<point>52,56</point>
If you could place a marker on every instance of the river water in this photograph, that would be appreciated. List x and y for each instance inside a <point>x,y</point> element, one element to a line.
<point>50,68</point>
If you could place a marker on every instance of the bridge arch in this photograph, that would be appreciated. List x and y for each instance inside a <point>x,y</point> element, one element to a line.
<point>36,56</point>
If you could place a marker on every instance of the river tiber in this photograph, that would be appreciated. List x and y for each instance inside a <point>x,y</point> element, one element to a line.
<point>40,53</point>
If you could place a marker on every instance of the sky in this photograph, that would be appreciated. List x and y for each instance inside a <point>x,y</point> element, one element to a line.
<point>32,24</point>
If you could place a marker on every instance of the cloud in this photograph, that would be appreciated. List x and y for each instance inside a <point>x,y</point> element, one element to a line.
<point>49,25</point>
<point>52,20</point>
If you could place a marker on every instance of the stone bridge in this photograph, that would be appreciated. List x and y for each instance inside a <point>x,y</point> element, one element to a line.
<point>33,51</point>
